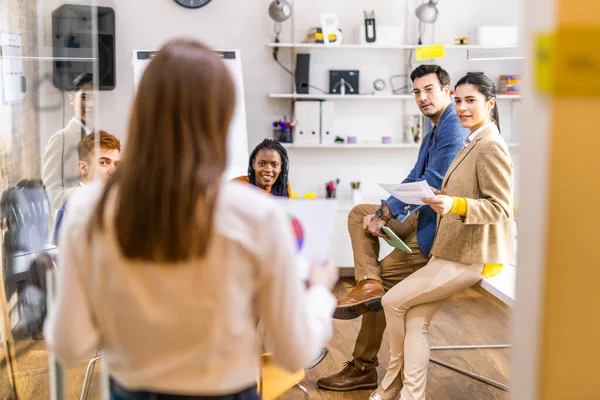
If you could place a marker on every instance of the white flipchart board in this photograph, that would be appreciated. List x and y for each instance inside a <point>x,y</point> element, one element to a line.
<point>237,140</point>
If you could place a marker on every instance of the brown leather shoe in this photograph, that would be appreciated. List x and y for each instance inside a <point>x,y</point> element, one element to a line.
<point>350,378</point>
<point>365,296</point>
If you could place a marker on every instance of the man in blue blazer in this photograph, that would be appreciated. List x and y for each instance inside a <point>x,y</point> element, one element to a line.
<point>414,224</point>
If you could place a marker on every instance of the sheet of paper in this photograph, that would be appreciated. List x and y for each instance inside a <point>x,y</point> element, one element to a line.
<point>409,193</point>
<point>12,67</point>
<point>311,222</point>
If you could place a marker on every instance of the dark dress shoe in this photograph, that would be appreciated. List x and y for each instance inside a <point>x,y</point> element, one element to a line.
<point>351,377</point>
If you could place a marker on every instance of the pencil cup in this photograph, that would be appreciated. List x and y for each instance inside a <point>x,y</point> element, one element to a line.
<point>356,197</point>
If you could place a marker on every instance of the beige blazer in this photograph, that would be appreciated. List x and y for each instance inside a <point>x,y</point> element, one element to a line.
<point>60,172</point>
<point>482,172</point>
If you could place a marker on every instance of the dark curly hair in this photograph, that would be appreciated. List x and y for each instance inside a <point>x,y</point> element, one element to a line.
<point>280,187</point>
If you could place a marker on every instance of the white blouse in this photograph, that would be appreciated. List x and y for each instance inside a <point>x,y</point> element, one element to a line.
<point>188,328</point>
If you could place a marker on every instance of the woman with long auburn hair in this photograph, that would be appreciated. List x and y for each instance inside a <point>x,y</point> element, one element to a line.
<point>167,267</point>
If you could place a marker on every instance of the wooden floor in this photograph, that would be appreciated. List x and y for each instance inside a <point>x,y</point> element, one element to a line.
<point>32,376</point>
<point>472,317</point>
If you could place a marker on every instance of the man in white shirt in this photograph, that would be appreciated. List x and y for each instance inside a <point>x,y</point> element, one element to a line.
<point>60,172</point>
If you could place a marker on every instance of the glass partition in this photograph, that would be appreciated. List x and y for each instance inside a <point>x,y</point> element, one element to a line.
<point>49,83</point>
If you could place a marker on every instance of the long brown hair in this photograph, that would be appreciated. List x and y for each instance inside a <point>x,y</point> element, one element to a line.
<point>168,181</point>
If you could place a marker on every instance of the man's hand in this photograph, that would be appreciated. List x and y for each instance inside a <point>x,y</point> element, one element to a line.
<point>441,204</point>
<point>373,225</point>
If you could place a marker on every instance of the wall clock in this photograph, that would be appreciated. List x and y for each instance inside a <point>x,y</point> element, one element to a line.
<point>379,84</point>
<point>192,3</point>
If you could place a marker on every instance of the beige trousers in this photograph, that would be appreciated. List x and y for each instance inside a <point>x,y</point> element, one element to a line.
<point>409,307</point>
<point>392,269</point>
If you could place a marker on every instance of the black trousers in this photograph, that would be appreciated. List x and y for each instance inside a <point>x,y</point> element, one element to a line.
<point>118,392</point>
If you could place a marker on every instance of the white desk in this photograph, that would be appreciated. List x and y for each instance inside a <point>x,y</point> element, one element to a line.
<point>503,285</point>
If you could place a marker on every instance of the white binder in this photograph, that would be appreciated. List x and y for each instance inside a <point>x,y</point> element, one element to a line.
<point>308,124</point>
<point>328,122</point>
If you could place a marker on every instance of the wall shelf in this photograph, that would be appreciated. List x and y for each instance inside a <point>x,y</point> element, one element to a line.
<point>345,146</point>
<point>382,47</point>
<point>325,96</point>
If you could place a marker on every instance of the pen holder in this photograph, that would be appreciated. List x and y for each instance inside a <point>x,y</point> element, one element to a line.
<point>330,192</point>
<point>283,135</point>
<point>356,197</point>
<point>330,188</point>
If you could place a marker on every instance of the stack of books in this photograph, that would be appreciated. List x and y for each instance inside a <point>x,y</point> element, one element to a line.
<point>417,126</point>
<point>509,84</point>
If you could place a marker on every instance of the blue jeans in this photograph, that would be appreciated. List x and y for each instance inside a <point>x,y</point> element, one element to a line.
<point>118,392</point>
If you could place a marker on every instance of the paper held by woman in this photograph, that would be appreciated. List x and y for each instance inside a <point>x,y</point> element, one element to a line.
<point>409,193</point>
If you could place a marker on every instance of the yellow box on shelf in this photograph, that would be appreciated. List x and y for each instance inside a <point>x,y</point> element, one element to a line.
<point>306,196</point>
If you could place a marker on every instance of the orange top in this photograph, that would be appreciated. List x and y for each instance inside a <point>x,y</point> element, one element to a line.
<point>247,180</point>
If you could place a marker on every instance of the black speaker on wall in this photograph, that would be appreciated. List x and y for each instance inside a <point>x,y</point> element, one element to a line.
<point>302,73</point>
<point>73,41</point>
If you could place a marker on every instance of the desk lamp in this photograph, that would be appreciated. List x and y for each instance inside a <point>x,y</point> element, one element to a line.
<point>279,11</point>
<point>427,13</point>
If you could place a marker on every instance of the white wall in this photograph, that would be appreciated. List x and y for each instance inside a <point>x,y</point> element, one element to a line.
<point>146,24</point>
<point>245,25</point>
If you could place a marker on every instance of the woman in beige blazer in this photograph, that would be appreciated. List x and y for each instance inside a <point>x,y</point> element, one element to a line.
<point>474,239</point>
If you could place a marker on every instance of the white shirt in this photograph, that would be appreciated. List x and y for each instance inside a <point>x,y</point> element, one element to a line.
<point>473,135</point>
<point>190,327</point>
<point>82,125</point>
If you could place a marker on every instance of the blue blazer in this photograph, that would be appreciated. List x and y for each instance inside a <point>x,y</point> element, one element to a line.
<point>435,156</point>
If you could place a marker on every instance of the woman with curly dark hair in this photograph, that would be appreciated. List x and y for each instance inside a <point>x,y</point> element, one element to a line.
<point>268,169</point>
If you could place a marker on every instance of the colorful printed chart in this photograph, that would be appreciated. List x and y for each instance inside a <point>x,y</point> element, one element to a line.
<point>298,231</point>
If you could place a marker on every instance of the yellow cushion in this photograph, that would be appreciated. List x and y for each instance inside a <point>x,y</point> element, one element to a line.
<point>490,270</point>
<point>275,381</point>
